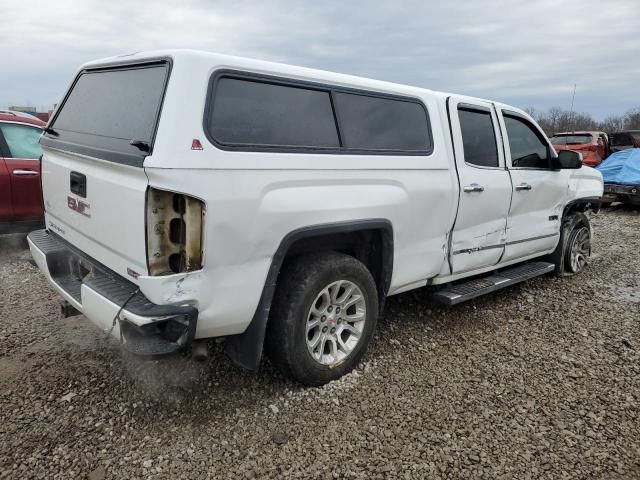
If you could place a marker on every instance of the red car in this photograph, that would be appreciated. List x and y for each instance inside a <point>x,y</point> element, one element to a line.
<point>20,191</point>
<point>594,146</point>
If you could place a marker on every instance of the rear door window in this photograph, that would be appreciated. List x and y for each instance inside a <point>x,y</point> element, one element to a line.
<point>21,140</point>
<point>478,137</point>
<point>108,112</point>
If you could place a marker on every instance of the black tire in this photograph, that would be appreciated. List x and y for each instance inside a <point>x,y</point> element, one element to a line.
<point>299,284</point>
<point>606,204</point>
<point>573,224</point>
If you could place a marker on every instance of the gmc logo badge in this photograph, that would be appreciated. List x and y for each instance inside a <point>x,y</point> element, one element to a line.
<point>79,206</point>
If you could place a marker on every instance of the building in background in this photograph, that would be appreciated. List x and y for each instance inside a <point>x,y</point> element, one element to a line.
<point>16,108</point>
<point>44,116</point>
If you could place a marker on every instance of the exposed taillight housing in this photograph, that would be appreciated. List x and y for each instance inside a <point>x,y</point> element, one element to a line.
<point>174,232</point>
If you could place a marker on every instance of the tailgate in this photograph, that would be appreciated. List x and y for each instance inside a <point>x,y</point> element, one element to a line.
<point>93,181</point>
<point>108,223</point>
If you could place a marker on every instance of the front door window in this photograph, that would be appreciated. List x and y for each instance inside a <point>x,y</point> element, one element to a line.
<point>528,150</point>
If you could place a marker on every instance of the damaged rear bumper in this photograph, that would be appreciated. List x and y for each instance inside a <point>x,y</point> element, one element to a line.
<point>144,328</point>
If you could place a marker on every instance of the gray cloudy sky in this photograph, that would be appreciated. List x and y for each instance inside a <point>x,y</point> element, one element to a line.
<point>523,52</point>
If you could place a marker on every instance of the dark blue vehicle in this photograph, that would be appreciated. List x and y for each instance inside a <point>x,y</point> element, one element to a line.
<point>621,176</point>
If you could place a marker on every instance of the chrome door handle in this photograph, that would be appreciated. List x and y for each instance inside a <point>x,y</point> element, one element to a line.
<point>523,186</point>
<point>25,172</point>
<point>474,187</point>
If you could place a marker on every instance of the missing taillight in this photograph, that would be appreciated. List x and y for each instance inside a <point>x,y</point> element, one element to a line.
<point>174,232</point>
<point>177,262</point>
<point>177,231</point>
<point>178,203</point>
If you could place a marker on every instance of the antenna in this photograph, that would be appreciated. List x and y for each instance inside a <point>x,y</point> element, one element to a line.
<point>573,97</point>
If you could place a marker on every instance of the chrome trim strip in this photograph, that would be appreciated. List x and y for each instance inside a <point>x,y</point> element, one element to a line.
<point>488,247</point>
<point>533,238</point>
<point>478,249</point>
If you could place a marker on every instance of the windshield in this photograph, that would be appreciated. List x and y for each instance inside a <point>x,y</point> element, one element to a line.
<point>570,139</point>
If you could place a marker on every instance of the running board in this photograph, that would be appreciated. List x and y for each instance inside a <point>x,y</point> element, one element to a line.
<point>481,286</point>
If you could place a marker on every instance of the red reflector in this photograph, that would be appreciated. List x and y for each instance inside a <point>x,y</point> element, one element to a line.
<point>196,145</point>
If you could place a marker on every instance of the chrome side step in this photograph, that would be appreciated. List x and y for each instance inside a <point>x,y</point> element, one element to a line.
<point>462,292</point>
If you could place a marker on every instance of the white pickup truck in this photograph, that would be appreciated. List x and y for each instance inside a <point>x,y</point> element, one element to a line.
<point>191,195</point>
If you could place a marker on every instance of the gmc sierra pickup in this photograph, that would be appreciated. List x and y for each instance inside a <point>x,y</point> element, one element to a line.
<point>191,195</point>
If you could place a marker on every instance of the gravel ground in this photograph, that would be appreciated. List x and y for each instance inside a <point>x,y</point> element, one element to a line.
<point>540,380</point>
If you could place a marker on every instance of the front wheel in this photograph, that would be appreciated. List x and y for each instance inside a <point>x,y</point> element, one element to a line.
<point>323,317</point>
<point>574,248</point>
<point>578,249</point>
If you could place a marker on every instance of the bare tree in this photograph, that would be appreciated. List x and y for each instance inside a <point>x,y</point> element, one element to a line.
<point>557,120</point>
<point>632,119</point>
<point>612,123</point>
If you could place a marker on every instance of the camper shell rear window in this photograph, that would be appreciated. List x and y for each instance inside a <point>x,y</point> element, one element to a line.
<point>111,113</point>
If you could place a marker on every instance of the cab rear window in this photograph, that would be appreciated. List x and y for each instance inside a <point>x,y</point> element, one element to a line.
<point>571,139</point>
<point>111,113</point>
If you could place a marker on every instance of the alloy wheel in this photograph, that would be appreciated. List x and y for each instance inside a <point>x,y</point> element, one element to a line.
<point>335,322</point>
<point>580,249</point>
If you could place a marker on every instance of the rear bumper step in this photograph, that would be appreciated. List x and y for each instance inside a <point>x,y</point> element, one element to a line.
<point>481,286</point>
<point>100,294</point>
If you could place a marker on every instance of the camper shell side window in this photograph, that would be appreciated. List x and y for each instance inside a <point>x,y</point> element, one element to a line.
<point>249,112</point>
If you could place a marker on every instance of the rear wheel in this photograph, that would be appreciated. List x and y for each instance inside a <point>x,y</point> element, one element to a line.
<point>323,317</point>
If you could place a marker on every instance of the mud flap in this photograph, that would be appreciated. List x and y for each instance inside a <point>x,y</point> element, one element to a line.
<point>245,349</point>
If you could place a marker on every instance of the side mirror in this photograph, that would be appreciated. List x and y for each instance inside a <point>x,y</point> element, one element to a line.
<point>569,159</point>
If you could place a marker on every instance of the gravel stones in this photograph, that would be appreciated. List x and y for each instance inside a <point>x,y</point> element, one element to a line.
<point>538,380</point>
